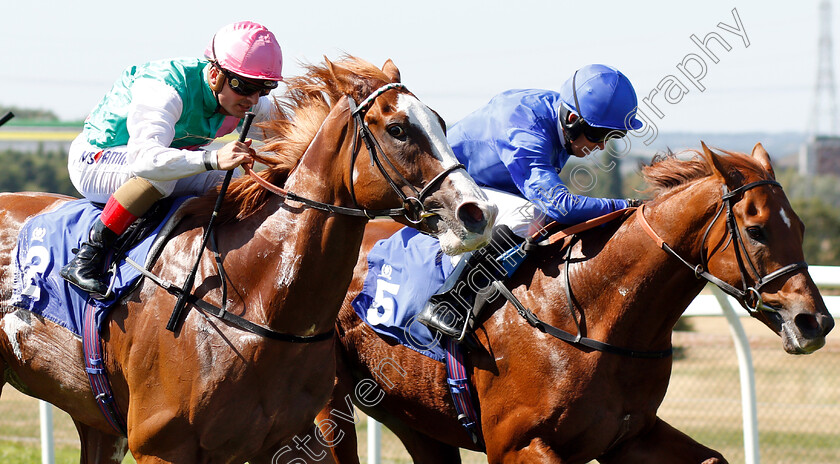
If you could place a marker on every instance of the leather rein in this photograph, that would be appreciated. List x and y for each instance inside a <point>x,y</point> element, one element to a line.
<point>749,296</point>
<point>412,209</point>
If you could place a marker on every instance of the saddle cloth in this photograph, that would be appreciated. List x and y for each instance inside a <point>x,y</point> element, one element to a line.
<point>404,270</point>
<point>45,245</point>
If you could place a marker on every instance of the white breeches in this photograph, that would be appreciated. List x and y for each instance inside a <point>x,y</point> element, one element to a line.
<point>516,212</point>
<point>98,173</point>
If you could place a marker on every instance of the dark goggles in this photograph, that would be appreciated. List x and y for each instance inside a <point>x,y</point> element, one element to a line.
<point>601,134</point>
<point>247,87</point>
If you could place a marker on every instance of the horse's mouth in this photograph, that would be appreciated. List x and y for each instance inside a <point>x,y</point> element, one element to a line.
<point>801,334</point>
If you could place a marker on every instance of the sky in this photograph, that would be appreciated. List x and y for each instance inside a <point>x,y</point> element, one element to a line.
<point>454,55</point>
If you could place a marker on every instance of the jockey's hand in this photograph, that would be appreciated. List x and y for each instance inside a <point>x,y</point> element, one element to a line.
<point>235,154</point>
<point>634,202</point>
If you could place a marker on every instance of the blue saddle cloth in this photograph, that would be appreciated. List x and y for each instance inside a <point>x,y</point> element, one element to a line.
<point>44,246</point>
<point>404,270</point>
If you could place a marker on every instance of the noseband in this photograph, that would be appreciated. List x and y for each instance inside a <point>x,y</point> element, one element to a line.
<point>412,209</point>
<point>748,296</point>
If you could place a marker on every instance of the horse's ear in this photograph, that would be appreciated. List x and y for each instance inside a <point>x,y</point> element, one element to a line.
<point>713,161</point>
<point>760,155</point>
<point>721,168</point>
<point>391,70</point>
<point>341,78</point>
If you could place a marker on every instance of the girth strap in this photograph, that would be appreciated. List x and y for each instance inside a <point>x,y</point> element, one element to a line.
<point>459,386</point>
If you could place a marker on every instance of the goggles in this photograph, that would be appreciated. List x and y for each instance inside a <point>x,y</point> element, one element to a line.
<point>601,134</point>
<point>245,87</point>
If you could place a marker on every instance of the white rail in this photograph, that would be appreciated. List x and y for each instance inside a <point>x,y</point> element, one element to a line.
<point>720,304</point>
<point>47,441</point>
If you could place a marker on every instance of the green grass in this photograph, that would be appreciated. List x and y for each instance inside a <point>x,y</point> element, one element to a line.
<point>30,453</point>
<point>12,452</point>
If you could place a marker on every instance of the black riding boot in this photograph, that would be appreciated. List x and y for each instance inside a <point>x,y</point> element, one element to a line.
<point>86,270</point>
<point>449,309</point>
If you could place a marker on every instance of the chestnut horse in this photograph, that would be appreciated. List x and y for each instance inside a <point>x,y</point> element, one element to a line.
<point>548,401</point>
<point>215,393</point>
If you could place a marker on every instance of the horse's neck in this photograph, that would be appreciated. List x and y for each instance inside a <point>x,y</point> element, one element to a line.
<point>305,255</point>
<point>633,284</point>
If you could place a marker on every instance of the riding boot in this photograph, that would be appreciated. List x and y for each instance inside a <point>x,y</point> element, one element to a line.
<point>86,269</point>
<point>448,311</point>
<point>132,200</point>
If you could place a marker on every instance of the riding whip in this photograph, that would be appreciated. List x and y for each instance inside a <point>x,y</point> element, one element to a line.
<point>173,324</point>
<point>6,117</point>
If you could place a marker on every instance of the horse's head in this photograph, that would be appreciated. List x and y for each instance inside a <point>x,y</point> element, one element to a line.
<point>403,159</point>
<point>755,245</point>
<point>393,157</point>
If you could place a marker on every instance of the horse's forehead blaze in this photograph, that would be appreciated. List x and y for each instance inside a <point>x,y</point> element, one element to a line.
<point>773,207</point>
<point>784,217</point>
<point>422,116</point>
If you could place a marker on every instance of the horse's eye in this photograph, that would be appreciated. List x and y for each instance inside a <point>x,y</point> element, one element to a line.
<point>756,233</point>
<point>396,131</point>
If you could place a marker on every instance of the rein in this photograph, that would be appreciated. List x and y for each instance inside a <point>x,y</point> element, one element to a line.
<point>412,208</point>
<point>578,339</point>
<point>749,296</point>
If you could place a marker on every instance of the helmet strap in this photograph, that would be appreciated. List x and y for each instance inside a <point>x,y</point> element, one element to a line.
<point>571,130</point>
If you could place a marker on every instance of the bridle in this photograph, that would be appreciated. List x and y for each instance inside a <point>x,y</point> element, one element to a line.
<point>412,209</point>
<point>748,296</point>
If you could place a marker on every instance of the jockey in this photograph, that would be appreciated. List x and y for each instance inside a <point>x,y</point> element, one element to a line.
<point>516,145</point>
<point>144,139</point>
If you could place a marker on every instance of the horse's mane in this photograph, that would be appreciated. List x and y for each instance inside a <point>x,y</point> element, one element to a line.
<point>669,170</point>
<point>296,119</point>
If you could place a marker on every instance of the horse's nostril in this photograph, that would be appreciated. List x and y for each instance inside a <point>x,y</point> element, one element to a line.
<point>808,325</point>
<point>472,216</point>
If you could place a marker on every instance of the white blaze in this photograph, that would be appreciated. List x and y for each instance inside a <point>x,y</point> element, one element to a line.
<point>422,116</point>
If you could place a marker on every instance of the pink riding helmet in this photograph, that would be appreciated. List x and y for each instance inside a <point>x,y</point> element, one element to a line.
<point>247,49</point>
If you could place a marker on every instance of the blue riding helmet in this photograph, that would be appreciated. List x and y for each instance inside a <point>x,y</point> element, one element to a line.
<point>606,97</point>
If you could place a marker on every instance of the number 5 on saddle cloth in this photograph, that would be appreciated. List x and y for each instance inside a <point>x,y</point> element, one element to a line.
<point>408,268</point>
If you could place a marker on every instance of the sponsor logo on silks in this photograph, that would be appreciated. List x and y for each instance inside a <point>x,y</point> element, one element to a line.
<point>104,156</point>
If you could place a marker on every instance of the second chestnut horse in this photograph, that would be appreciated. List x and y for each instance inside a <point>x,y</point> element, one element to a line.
<point>543,400</point>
